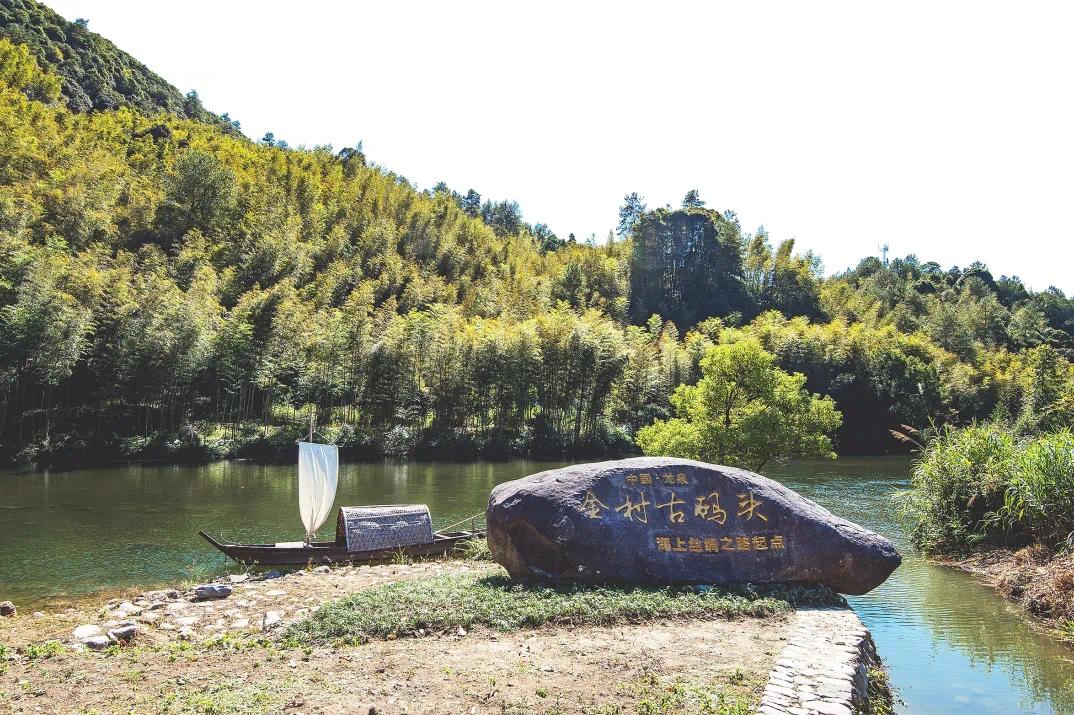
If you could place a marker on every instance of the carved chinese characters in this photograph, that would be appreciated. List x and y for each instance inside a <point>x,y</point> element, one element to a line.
<point>660,521</point>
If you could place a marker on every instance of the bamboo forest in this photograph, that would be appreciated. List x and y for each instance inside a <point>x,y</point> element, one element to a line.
<point>169,287</point>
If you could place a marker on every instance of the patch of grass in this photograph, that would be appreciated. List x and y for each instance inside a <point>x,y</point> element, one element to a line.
<point>226,697</point>
<point>48,649</point>
<point>450,601</point>
<point>881,694</point>
<point>474,550</point>
<point>659,696</point>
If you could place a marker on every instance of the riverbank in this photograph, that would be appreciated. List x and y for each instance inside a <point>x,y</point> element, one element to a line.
<point>1038,579</point>
<point>255,651</point>
<point>207,442</point>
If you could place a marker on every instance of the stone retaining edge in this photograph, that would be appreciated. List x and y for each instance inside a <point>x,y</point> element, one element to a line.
<point>824,669</point>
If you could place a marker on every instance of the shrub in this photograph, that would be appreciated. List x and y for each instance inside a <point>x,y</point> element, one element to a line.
<point>1039,501</point>
<point>959,481</point>
<point>982,486</point>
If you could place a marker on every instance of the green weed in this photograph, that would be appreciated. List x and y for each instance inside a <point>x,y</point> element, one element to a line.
<point>447,602</point>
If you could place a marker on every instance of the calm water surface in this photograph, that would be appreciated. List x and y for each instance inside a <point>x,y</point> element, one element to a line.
<point>953,646</point>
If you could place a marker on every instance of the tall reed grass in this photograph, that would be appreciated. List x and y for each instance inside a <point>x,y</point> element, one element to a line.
<point>981,486</point>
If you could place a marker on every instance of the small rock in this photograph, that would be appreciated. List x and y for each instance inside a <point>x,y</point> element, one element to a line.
<point>320,570</point>
<point>270,575</point>
<point>7,608</point>
<point>187,620</point>
<point>37,614</point>
<point>276,592</point>
<point>87,631</point>
<point>124,633</point>
<point>270,620</point>
<point>240,624</point>
<point>212,590</point>
<point>177,607</point>
<point>238,577</point>
<point>149,617</point>
<point>156,605</point>
<point>461,632</point>
<point>172,594</point>
<point>186,633</point>
<point>96,642</point>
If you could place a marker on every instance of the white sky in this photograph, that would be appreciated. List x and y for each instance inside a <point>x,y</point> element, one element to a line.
<point>941,129</point>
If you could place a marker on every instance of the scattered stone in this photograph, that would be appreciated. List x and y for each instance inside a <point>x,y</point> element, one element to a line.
<point>461,632</point>
<point>187,620</point>
<point>276,592</point>
<point>123,633</point>
<point>240,624</point>
<point>186,633</point>
<point>270,575</point>
<point>97,642</point>
<point>7,608</point>
<point>238,577</point>
<point>37,614</point>
<point>270,620</point>
<point>87,631</point>
<point>212,590</point>
<point>322,570</point>
<point>177,607</point>
<point>658,520</point>
<point>129,608</point>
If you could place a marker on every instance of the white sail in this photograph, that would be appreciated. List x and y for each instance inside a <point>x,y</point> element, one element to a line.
<point>318,471</point>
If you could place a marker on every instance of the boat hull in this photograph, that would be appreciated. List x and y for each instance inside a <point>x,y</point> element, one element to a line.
<point>331,553</point>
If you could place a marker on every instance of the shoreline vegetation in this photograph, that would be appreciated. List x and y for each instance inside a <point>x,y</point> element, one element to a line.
<point>498,646</point>
<point>997,500</point>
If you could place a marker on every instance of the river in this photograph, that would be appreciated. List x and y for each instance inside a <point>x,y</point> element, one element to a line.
<point>953,646</point>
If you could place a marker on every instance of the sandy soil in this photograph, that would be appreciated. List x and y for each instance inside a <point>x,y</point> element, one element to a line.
<point>663,667</point>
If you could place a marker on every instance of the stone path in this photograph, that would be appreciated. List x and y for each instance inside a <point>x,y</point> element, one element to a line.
<point>823,670</point>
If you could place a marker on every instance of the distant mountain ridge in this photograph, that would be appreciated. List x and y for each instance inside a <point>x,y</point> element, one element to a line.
<point>96,74</point>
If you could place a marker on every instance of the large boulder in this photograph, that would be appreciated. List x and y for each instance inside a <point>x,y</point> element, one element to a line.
<point>656,520</point>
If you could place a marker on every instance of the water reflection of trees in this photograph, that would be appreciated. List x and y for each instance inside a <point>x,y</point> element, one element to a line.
<point>971,617</point>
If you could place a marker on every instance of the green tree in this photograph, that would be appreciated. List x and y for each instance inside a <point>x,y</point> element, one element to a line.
<point>744,411</point>
<point>630,213</point>
<point>693,200</point>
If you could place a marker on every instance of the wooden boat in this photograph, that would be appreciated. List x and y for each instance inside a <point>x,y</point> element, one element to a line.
<point>367,533</point>
<point>331,552</point>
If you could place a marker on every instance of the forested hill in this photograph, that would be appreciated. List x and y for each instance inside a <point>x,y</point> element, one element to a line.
<point>169,288</point>
<point>95,74</point>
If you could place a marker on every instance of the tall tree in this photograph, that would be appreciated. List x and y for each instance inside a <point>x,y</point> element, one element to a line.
<point>630,213</point>
<point>692,200</point>
<point>744,412</point>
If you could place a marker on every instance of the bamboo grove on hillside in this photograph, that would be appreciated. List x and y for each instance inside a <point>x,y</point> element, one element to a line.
<point>167,285</point>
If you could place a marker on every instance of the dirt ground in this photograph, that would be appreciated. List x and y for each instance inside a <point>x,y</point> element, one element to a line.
<point>661,667</point>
